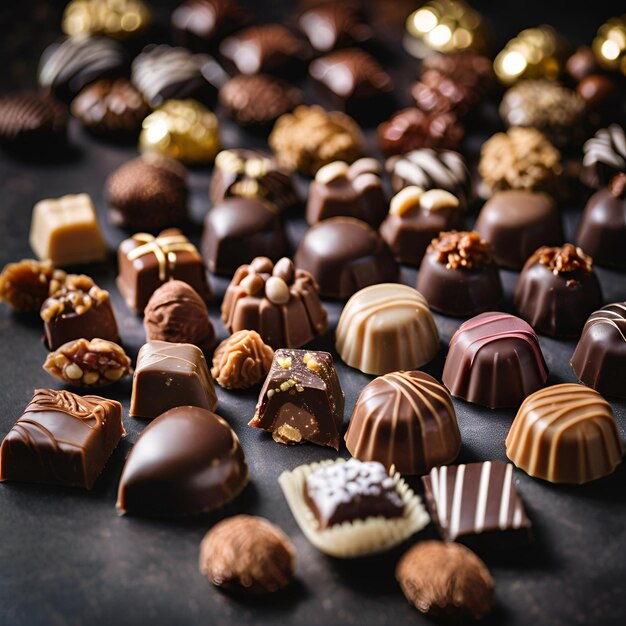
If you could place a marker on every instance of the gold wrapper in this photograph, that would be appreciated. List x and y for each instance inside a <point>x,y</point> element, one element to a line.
<point>183,130</point>
<point>444,26</point>
<point>609,44</point>
<point>534,53</point>
<point>120,19</point>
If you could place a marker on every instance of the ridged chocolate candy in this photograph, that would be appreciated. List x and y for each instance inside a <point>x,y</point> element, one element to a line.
<point>604,155</point>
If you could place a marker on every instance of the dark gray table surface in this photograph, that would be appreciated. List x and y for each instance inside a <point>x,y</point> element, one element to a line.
<point>67,558</point>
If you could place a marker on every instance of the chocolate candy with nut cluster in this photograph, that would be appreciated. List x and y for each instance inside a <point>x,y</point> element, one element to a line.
<point>600,356</point>
<point>356,190</point>
<point>282,304</point>
<point>494,359</point>
<point>604,156</point>
<point>565,434</point>
<point>415,217</point>
<point>186,462</point>
<point>301,399</point>
<point>344,255</point>
<point>477,505</point>
<point>458,276</point>
<point>516,223</point>
<point>26,284</point>
<point>169,375</point>
<point>558,290</point>
<point>78,309</point>
<point>248,173</point>
<point>344,492</point>
<point>238,229</point>
<point>62,439</point>
<point>602,228</point>
<point>146,262</point>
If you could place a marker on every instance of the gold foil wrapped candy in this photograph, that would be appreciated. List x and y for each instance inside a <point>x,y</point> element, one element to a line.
<point>534,53</point>
<point>183,130</point>
<point>610,44</point>
<point>120,19</point>
<point>444,26</point>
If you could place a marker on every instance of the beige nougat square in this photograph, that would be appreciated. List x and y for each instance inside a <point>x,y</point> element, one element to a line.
<point>66,231</point>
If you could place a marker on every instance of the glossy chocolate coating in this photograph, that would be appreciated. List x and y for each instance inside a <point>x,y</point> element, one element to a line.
<point>344,492</point>
<point>404,419</point>
<point>61,439</point>
<point>516,223</point>
<point>168,375</point>
<point>495,360</point>
<point>186,462</point>
<point>599,360</point>
<point>604,155</point>
<point>301,399</point>
<point>344,255</point>
<point>238,229</point>
<point>565,434</point>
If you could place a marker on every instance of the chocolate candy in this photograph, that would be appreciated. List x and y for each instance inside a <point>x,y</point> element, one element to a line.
<point>565,434</point>
<point>602,227</point>
<point>609,44</point>
<point>344,255</point>
<point>432,169</point>
<point>66,231</point>
<point>604,156</point>
<point>111,109</point>
<point>269,48</point>
<point>557,291</point>
<point>339,189</point>
<point>476,504</point>
<point>310,137</point>
<point>68,65</point>
<point>83,363</point>
<point>146,262</point>
<point>495,360</point>
<point>458,276</point>
<point>61,439</point>
<point>247,553</point>
<point>352,81</point>
<point>25,285</point>
<point>281,303</point>
<point>600,356</point>
<point>32,123</point>
<point>386,327</point>
<point>119,19</point>
<point>239,229</point>
<point>258,99</point>
<point>187,461</point>
<point>412,129</point>
<point>176,313</point>
<point>345,492</point>
<point>445,580</point>
<point>405,420</point>
<point>516,223</point>
<point>250,173</point>
<point>78,309</point>
<point>170,375</point>
<point>147,193</point>
<point>301,399</point>
<point>415,217</point>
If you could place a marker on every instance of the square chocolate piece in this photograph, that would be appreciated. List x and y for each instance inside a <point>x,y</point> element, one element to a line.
<point>301,399</point>
<point>475,501</point>
<point>146,262</point>
<point>66,231</point>
<point>62,439</point>
<point>170,375</point>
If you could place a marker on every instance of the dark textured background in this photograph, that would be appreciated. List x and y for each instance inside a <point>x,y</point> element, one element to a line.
<point>67,558</point>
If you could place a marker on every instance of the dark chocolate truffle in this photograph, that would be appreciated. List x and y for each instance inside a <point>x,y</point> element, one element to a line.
<point>458,276</point>
<point>558,290</point>
<point>495,360</point>
<point>604,155</point>
<point>344,255</point>
<point>599,360</point>
<point>516,223</point>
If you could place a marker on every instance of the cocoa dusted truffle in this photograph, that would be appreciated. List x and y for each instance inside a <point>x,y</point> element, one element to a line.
<point>25,285</point>
<point>458,276</point>
<point>147,193</point>
<point>604,155</point>
<point>558,290</point>
<point>176,313</point>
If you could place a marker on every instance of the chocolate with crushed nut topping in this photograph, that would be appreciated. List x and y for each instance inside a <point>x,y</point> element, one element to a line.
<point>25,285</point>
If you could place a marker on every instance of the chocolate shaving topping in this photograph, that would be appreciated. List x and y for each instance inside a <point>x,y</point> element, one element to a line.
<point>565,259</point>
<point>461,249</point>
<point>617,185</point>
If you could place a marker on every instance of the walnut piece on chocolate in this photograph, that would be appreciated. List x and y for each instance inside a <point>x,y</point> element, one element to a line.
<point>85,363</point>
<point>25,285</point>
<point>461,249</point>
<point>568,258</point>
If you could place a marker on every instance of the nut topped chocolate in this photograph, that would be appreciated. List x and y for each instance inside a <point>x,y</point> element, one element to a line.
<point>26,284</point>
